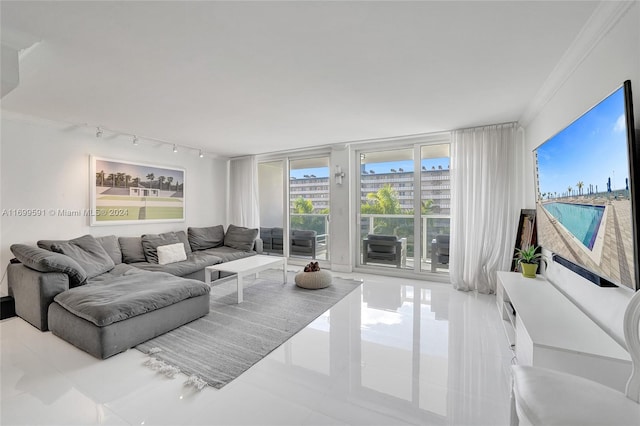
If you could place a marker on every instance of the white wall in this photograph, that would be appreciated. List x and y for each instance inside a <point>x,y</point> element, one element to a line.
<point>614,59</point>
<point>45,165</point>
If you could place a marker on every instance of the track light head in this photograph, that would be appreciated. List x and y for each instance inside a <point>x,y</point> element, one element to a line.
<point>175,148</point>
<point>201,155</point>
<point>135,140</point>
<point>98,132</point>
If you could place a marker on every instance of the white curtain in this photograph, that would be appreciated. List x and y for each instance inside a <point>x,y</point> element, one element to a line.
<point>486,198</point>
<point>243,207</point>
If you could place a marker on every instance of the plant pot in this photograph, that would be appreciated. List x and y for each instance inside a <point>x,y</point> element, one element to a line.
<point>529,269</point>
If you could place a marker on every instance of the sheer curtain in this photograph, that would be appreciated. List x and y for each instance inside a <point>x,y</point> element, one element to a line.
<point>486,198</point>
<point>243,208</point>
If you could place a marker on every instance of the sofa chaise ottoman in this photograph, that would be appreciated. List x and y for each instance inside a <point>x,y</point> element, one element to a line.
<point>125,307</point>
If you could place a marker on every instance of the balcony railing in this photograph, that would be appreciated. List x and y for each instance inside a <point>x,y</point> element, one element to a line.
<point>402,226</point>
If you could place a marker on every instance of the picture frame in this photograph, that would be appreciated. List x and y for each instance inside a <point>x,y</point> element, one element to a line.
<point>126,192</point>
<point>527,234</point>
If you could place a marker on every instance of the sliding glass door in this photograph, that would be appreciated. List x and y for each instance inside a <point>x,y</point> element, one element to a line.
<point>309,208</point>
<point>404,207</point>
<point>386,208</point>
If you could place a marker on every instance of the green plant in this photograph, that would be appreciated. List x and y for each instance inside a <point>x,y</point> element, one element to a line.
<point>530,254</point>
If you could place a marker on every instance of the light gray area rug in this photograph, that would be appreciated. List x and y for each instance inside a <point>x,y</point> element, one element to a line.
<point>220,346</point>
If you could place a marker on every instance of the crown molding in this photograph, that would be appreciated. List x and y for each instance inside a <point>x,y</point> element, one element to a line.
<point>604,18</point>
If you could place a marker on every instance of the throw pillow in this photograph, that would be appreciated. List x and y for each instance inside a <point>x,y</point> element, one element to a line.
<point>89,254</point>
<point>150,243</point>
<point>110,244</point>
<point>240,238</point>
<point>182,236</point>
<point>171,253</point>
<point>205,238</point>
<point>47,261</point>
<point>132,251</point>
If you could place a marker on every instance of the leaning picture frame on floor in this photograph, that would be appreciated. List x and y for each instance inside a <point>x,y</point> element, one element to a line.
<point>527,234</point>
<point>126,192</point>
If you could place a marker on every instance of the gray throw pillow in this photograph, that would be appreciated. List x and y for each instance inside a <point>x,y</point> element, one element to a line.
<point>240,238</point>
<point>206,238</point>
<point>150,243</point>
<point>132,251</point>
<point>110,244</point>
<point>89,254</point>
<point>47,261</point>
<point>182,236</point>
<point>46,244</point>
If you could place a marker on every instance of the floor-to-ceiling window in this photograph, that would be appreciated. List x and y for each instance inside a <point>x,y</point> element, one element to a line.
<point>404,200</point>
<point>295,192</point>
<point>435,206</point>
<point>386,208</point>
<point>309,208</point>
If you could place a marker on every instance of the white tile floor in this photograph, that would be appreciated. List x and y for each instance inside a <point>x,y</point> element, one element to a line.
<point>375,358</point>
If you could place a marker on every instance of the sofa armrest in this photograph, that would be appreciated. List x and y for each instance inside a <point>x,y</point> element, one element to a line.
<point>258,246</point>
<point>34,291</point>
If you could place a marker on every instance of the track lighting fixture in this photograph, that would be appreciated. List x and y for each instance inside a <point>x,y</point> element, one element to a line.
<point>135,141</point>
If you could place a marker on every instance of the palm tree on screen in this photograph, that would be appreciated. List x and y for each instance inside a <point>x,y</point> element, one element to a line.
<point>150,178</point>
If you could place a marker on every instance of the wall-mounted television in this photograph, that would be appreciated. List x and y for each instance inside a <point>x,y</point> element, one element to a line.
<point>587,206</point>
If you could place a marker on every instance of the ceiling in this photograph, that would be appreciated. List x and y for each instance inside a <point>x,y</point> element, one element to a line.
<point>237,78</point>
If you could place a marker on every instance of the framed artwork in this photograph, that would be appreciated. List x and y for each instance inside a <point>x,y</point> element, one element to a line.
<point>124,192</point>
<point>527,233</point>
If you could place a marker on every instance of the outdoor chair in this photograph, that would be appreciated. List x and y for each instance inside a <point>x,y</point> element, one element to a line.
<point>385,249</point>
<point>439,251</point>
<point>303,243</point>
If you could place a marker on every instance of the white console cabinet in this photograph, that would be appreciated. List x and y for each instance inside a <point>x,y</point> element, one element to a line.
<point>548,330</point>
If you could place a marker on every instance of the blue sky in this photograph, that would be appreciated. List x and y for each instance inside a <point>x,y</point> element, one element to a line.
<point>385,167</point>
<point>591,150</point>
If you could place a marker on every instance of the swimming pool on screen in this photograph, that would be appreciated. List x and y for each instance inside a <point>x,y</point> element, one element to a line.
<point>581,220</point>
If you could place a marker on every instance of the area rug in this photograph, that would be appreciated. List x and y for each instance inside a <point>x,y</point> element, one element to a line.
<point>220,346</point>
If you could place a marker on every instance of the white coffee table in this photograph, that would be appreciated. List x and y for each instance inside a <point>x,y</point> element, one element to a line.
<point>247,266</point>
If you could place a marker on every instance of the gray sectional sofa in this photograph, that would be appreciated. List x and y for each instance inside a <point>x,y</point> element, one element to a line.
<point>107,294</point>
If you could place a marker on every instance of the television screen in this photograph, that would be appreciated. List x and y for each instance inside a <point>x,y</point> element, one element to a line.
<point>584,198</point>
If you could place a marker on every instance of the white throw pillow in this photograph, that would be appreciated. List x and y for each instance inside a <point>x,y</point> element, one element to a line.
<point>171,253</point>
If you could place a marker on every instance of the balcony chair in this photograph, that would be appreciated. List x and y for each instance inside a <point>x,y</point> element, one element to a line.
<point>439,251</point>
<point>545,397</point>
<point>271,240</point>
<point>387,249</point>
<point>303,243</point>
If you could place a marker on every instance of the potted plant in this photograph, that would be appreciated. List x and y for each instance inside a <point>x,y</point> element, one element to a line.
<point>528,258</point>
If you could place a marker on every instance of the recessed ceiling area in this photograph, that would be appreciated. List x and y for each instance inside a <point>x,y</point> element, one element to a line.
<point>238,78</point>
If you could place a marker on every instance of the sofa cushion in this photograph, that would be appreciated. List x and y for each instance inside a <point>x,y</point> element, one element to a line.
<point>182,236</point>
<point>171,253</point>
<point>110,244</point>
<point>128,295</point>
<point>240,238</point>
<point>150,243</point>
<point>227,254</point>
<point>195,262</point>
<point>204,238</point>
<point>132,250</point>
<point>47,261</point>
<point>89,254</point>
